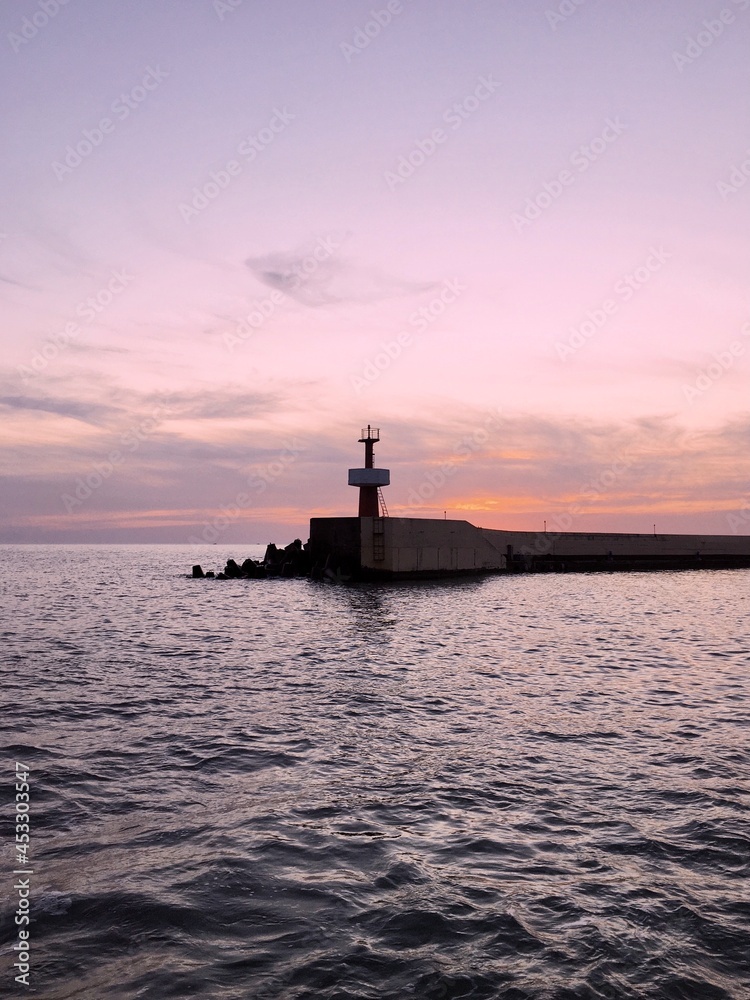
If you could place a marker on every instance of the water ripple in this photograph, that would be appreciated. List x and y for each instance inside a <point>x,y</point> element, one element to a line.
<point>523,787</point>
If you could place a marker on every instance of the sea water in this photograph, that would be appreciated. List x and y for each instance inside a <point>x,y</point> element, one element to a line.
<point>518,787</point>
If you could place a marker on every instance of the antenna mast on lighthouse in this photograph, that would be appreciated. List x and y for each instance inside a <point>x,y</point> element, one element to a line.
<point>369,480</point>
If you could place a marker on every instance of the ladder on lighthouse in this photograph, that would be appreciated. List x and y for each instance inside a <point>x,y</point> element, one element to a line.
<point>381,498</point>
<point>378,530</point>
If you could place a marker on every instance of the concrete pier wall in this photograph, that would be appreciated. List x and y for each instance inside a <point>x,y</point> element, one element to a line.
<point>402,545</point>
<point>411,547</point>
<point>601,550</point>
<point>336,542</point>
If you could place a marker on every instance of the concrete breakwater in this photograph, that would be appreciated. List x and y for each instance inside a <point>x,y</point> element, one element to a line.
<point>393,548</point>
<point>402,548</point>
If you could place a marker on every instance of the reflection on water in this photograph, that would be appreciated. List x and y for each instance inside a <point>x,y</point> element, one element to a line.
<point>508,787</point>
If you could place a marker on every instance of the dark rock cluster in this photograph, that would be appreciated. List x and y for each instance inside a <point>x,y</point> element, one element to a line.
<point>293,560</point>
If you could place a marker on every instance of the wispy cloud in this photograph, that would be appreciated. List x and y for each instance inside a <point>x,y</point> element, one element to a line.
<point>11,281</point>
<point>90,413</point>
<point>312,279</point>
<point>507,468</point>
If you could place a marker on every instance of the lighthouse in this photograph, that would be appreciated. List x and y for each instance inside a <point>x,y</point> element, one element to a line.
<point>369,480</point>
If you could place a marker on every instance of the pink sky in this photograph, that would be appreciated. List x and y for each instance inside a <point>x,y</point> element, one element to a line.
<point>514,239</point>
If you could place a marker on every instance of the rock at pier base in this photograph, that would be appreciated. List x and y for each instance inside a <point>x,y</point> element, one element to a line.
<point>293,560</point>
<point>232,570</point>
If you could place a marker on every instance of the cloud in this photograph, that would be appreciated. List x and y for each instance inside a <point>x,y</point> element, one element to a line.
<point>219,404</point>
<point>88,412</point>
<point>525,460</point>
<point>100,399</point>
<point>315,275</point>
<point>207,443</point>
<point>11,281</point>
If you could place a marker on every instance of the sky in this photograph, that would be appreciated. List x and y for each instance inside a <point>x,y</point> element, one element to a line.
<point>512,234</point>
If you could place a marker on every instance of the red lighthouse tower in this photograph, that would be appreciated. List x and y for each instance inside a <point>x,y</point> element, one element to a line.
<point>369,480</point>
